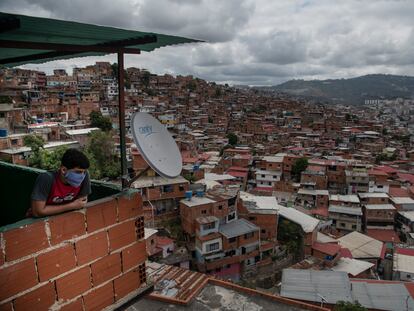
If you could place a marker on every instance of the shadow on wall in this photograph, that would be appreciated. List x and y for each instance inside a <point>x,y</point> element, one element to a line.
<point>16,184</point>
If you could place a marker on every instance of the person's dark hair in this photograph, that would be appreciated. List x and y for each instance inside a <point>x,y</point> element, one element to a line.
<point>74,158</point>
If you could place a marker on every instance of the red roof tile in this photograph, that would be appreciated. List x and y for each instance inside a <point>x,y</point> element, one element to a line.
<point>345,252</point>
<point>237,174</point>
<point>387,169</point>
<point>398,192</point>
<point>327,248</point>
<point>406,177</point>
<point>163,241</point>
<point>383,235</point>
<point>404,251</point>
<point>238,168</point>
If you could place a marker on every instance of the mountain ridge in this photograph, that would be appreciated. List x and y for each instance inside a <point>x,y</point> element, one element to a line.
<point>350,91</point>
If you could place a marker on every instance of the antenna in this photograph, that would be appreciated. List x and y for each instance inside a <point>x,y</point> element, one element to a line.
<point>156,145</point>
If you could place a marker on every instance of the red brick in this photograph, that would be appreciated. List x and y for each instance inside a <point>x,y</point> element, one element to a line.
<point>56,262</point>
<point>101,215</point>
<point>66,226</point>
<point>91,248</point>
<point>1,250</point>
<point>73,306</point>
<point>23,241</point>
<point>122,235</point>
<point>74,284</point>
<point>106,268</point>
<point>129,206</point>
<point>126,283</point>
<point>6,307</point>
<point>17,278</point>
<point>134,255</point>
<point>39,299</point>
<point>99,298</point>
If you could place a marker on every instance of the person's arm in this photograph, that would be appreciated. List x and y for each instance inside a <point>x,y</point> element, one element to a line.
<point>40,209</point>
<point>40,194</point>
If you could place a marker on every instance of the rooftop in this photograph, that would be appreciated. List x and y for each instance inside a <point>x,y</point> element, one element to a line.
<point>362,246</point>
<point>195,201</point>
<point>352,266</point>
<point>237,227</point>
<point>372,195</point>
<point>402,200</point>
<point>345,210</point>
<point>379,206</point>
<point>333,286</point>
<point>308,223</point>
<point>312,285</point>
<point>351,198</point>
<point>153,181</point>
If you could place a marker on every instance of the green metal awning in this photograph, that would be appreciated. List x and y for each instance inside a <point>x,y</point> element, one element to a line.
<point>28,39</point>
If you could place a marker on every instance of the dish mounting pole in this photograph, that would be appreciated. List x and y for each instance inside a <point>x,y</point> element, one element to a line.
<point>121,114</point>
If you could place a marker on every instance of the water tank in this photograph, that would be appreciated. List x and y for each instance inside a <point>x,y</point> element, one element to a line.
<point>200,193</point>
<point>188,195</point>
<point>196,167</point>
<point>39,120</point>
<point>3,132</point>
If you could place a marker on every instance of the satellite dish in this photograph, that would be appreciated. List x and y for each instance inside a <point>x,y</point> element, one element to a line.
<point>156,145</point>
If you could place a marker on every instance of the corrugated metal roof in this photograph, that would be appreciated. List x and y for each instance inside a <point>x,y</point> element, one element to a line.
<point>237,227</point>
<point>382,296</point>
<point>361,245</point>
<point>45,30</point>
<point>345,210</point>
<point>312,285</point>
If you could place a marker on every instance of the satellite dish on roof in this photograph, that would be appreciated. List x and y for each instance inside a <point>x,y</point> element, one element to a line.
<point>156,145</point>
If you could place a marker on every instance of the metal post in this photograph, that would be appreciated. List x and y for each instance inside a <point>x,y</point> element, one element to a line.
<point>121,113</point>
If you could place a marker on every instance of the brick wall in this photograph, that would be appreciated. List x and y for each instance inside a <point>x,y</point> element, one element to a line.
<point>80,260</point>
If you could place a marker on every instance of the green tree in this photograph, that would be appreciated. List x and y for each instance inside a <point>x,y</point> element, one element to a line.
<point>36,144</point>
<point>101,153</point>
<point>42,158</point>
<point>232,139</point>
<point>290,234</point>
<point>192,85</point>
<point>349,306</point>
<point>145,79</point>
<point>98,120</point>
<point>298,167</point>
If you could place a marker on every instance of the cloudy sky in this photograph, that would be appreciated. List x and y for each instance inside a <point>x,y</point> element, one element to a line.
<point>256,42</point>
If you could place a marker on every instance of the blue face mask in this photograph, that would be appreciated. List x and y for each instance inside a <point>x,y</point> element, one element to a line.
<point>74,179</point>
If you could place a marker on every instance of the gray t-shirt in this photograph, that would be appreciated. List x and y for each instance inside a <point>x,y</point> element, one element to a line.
<point>43,187</point>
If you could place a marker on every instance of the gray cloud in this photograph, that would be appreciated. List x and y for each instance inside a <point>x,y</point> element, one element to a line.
<point>253,42</point>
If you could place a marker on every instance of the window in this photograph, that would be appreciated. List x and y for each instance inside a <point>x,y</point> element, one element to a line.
<point>2,115</point>
<point>167,189</point>
<point>209,226</point>
<point>342,224</point>
<point>212,247</point>
<point>252,218</point>
<point>232,240</point>
<point>220,207</point>
<point>354,226</point>
<point>204,211</point>
<point>263,176</point>
<point>181,187</point>
<point>14,141</point>
<point>249,235</point>
<point>263,231</point>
